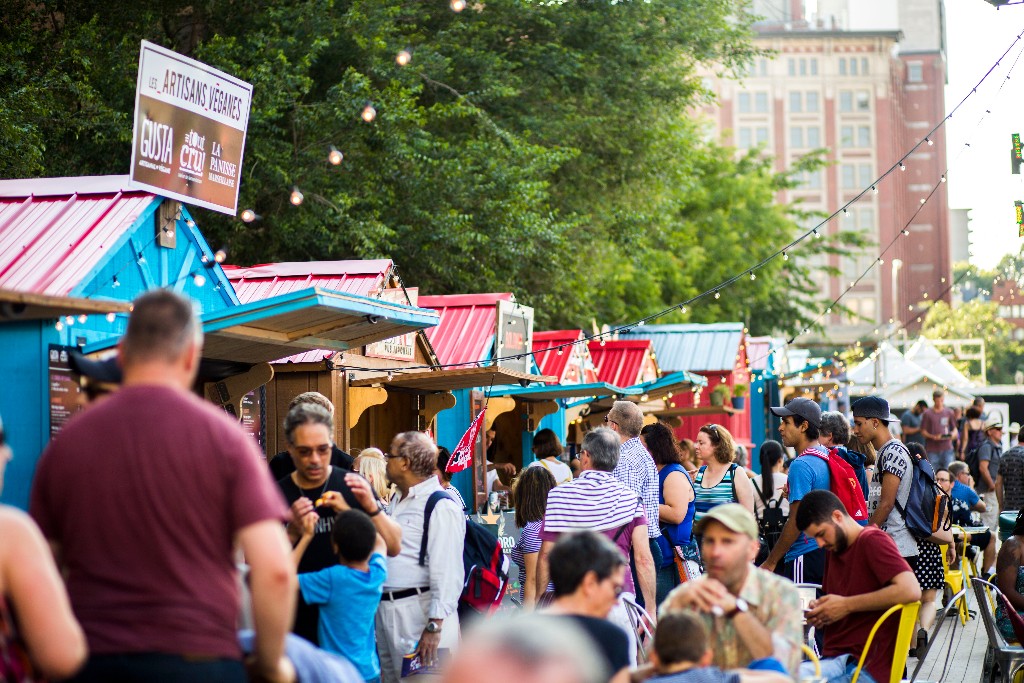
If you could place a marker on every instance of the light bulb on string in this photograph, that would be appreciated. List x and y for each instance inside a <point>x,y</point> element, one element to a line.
<point>334,156</point>
<point>753,276</point>
<point>457,5</point>
<point>115,283</point>
<point>69,320</point>
<point>296,196</point>
<point>929,141</point>
<point>817,235</point>
<point>58,326</point>
<point>905,233</point>
<point>82,318</point>
<point>903,166</point>
<point>198,280</point>
<point>874,189</point>
<point>785,256</point>
<point>924,199</point>
<point>248,216</point>
<point>111,317</point>
<point>403,58</point>
<point>220,255</point>
<point>942,178</point>
<point>717,295</point>
<point>369,113</point>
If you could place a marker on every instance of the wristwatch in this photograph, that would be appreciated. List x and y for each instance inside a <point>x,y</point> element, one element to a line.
<point>432,627</point>
<point>741,606</point>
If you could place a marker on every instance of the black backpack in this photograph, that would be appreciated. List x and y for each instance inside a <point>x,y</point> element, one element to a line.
<point>771,522</point>
<point>928,507</point>
<point>974,463</point>
<point>484,560</point>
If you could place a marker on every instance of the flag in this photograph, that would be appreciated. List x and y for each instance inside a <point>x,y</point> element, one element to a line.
<point>462,456</point>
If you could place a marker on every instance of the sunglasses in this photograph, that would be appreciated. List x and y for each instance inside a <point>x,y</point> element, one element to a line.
<point>608,421</point>
<point>712,431</point>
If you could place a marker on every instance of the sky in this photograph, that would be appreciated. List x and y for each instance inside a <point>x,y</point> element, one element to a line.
<point>979,176</point>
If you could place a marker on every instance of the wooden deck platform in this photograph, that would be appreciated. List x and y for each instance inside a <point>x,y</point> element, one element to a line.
<point>958,653</point>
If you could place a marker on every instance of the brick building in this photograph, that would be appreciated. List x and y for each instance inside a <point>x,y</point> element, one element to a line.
<point>863,80</point>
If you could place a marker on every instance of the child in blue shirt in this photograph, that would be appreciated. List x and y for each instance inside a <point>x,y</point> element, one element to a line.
<point>348,593</point>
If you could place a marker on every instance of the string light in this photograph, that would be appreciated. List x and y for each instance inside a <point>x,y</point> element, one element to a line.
<point>942,178</point>
<point>903,166</point>
<point>753,276</point>
<point>457,5</point>
<point>111,317</point>
<point>59,326</point>
<point>874,189</point>
<point>220,255</point>
<point>929,141</point>
<point>296,197</point>
<point>115,284</point>
<point>369,113</point>
<point>69,320</point>
<point>717,294</point>
<point>198,279</point>
<point>248,216</point>
<point>785,256</point>
<point>82,318</point>
<point>334,156</point>
<point>403,58</point>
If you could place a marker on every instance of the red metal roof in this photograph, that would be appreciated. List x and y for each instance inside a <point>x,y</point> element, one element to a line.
<point>624,362</point>
<point>52,237</point>
<point>365,278</point>
<point>466,330</point>
<point>573,365</point>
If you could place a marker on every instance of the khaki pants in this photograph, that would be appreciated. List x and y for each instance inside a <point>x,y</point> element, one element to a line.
<point>399,625</point>
<point>990,517</point>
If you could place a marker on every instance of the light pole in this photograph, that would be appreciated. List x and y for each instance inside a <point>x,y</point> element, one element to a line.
<point>896,265</point>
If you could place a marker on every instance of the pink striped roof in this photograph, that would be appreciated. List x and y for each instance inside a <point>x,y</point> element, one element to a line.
<point>466,330</point>
<point>55,231</point>
<point>255,283</point>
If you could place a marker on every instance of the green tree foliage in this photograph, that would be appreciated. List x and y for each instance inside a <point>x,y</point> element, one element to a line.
<point>539,147</point>
<point>978,320</point>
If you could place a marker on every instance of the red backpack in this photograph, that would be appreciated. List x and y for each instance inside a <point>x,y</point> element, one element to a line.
<point>843,482</point>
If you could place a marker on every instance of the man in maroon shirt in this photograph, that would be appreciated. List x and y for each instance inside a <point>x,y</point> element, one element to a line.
<point>864,576</point>
<point>145,497</point>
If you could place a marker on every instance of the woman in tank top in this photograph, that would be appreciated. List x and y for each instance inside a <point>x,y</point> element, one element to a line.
<point>719,480</point>
<point>547,448</point>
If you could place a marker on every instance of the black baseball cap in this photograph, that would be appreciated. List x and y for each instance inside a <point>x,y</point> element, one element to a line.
<point>872,407</point>
<point>97,370</point>
<point>801,407</point>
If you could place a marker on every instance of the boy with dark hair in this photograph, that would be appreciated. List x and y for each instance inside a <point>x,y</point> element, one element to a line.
<point>682,655</point>
<point>349,592</point>
<point>864,576</point>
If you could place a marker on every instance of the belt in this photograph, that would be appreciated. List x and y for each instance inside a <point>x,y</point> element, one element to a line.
<point>391,596</point>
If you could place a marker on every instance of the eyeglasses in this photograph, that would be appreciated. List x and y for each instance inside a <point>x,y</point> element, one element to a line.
<point>323,450</point>
<point>391,456</point>
<point>609,421</point>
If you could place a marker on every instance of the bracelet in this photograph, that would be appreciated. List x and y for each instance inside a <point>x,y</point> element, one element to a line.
<point>374,514</point>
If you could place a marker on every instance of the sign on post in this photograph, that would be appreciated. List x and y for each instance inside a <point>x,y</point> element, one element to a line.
<point>514,336</point>
<point>189,134</point>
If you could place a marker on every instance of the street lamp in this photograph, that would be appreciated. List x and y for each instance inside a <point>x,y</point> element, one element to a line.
<point>896,265</point>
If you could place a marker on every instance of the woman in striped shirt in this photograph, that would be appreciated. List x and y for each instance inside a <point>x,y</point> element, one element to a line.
<point>530,492</point>
<point>719,480</point>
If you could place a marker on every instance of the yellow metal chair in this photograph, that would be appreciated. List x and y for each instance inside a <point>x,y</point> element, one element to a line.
<point>908,620</point>
<point>956,579</point>
<point>812,657</point>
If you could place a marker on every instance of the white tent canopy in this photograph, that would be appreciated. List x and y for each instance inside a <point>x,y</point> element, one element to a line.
<point>924,353</point>
<point>903,382</point>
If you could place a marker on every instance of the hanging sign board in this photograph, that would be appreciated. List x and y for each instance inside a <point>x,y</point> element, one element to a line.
<point>402,347</point>
<point>514,336</point>
<point>189,134</point>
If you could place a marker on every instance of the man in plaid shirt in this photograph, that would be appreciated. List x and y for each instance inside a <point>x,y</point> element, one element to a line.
<point>636,469</point>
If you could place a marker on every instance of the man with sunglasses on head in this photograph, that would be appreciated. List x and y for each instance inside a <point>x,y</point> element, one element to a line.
<point>796,556</point>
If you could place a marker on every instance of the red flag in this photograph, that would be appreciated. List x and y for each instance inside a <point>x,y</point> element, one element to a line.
<point>462,456</point>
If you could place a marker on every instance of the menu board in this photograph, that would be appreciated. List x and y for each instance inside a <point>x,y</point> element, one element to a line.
<point>254,416</point>
<point>65,393</point>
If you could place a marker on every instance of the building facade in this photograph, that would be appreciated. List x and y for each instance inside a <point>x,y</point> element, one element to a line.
<point>866,90</point>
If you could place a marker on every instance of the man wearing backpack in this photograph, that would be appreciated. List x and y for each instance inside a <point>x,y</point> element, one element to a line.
<point>796,556</point>
<point>418,609</point>
<point>894,474</point>
<point>989,455</point>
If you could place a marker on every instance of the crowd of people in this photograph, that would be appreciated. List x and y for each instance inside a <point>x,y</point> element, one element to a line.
<point>159,545</point>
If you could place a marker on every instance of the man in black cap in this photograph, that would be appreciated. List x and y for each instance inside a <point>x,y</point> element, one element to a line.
<point>894,473</point>
<point>796,556</point>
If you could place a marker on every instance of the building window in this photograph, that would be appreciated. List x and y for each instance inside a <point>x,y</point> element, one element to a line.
<point>866,220</point>
<point>761,102</point>
<point>853,66</point>
<point>811,101</point>
<point>743,102</point>
<point>915,72</point>
<point>761,135</point>
<point>796,103</point>
<point>863,100</point>
<point>863,136</point>
<point>846,136</point>
<point>803,67</point>
<point>814,66</point>
<point>791,67</point>
<point>845,100</point>
<point>745,138</point>
<point>763,64</point>
<point>864,175</point>
<point>864,66</point>
<point>842,66</point>
<point>796,137</point>
<point>849,177</point>
<point>813,136</point>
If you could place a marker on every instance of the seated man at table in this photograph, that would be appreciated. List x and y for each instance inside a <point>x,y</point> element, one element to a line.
<point>967,509</point>
<point>864,576</point>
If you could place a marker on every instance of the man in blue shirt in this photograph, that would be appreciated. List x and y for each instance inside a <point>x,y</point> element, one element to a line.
<point>967,506</point>
<point>796,556</point>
